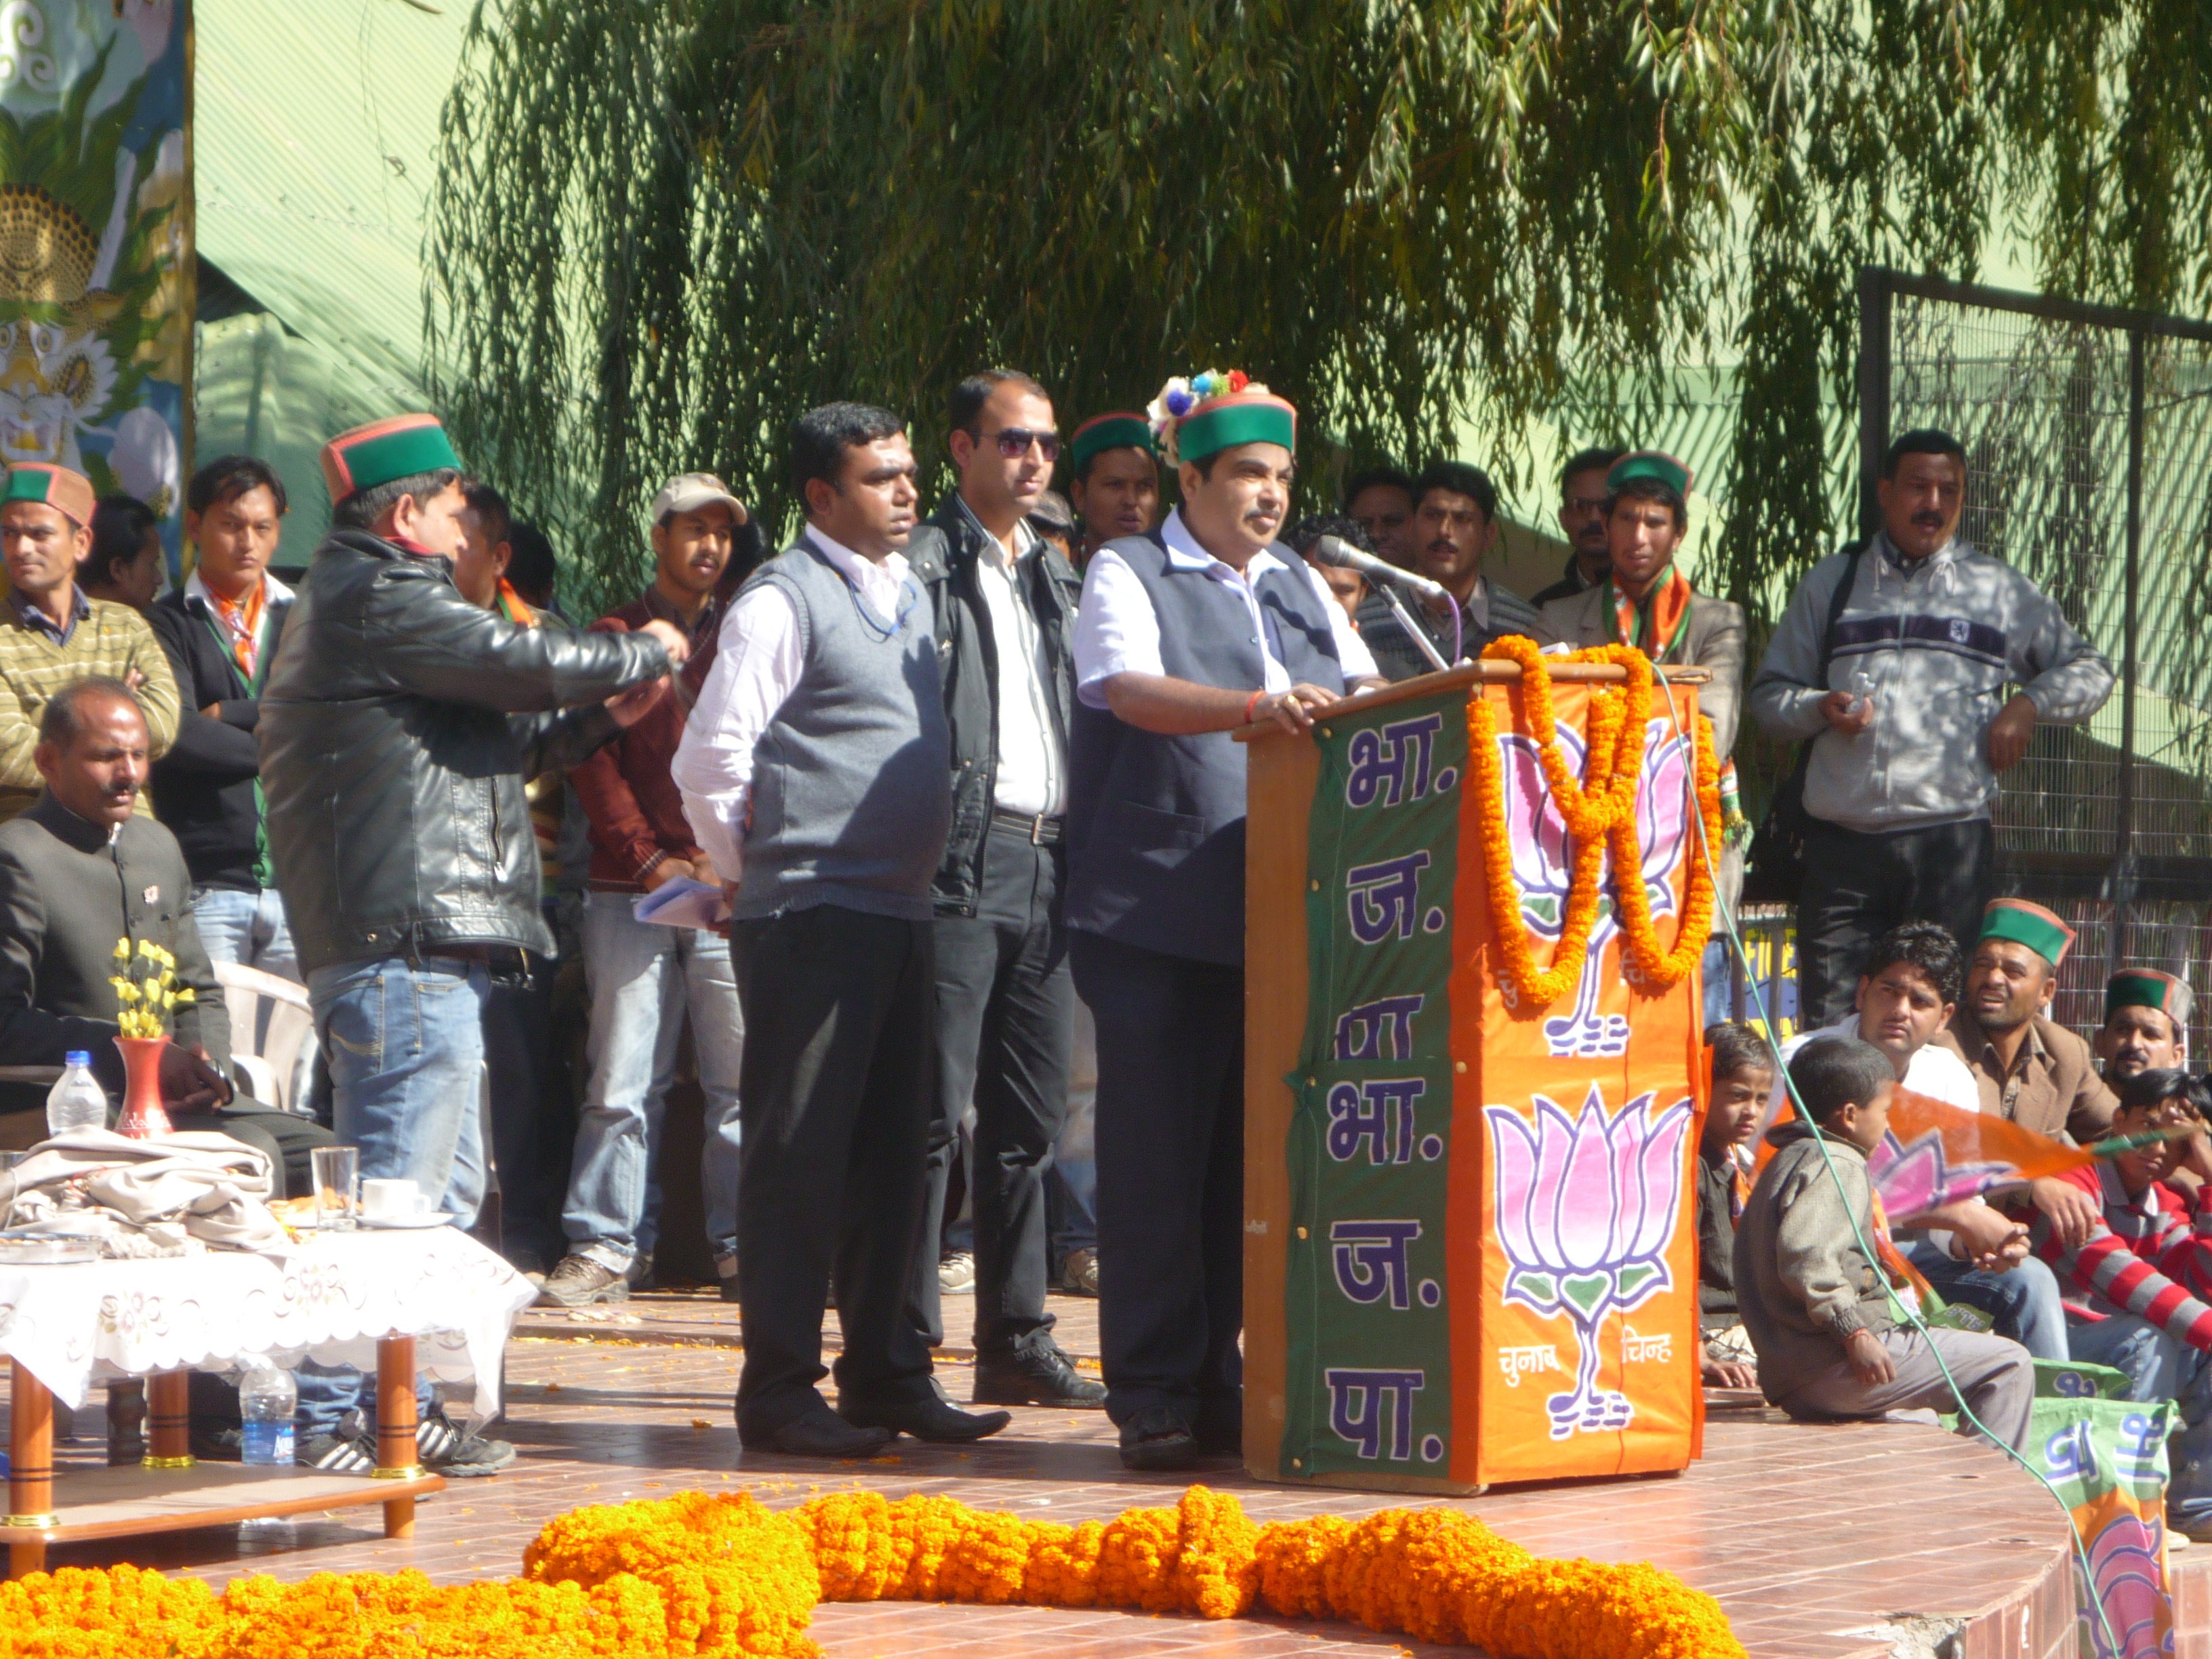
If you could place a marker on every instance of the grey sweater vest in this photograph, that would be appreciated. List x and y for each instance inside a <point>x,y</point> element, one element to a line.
<point>1156,824</point>
<point>851,791</point>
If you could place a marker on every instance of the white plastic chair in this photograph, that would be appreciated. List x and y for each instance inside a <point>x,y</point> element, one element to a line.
<point>270,1022</point>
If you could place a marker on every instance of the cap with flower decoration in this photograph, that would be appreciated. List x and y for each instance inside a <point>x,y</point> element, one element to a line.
<point>1210,411</point>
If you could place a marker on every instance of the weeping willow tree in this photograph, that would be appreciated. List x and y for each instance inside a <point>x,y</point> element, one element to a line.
<point>665,227</point>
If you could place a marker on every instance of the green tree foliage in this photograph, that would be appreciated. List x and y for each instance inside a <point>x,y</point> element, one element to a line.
<point>665,227</point>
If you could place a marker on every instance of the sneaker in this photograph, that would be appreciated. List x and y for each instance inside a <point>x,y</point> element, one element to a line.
<point>448,1449</point>
<point>726,1273</point>
<point>1043,1376</point>
<point>1079,1274</point>
<point>213,1445</point>
<point>578,1281</point>
<point>348,1452</point>
<point>956,1274</point>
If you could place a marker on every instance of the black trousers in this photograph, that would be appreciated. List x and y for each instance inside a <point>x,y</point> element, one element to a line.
<point>1170,1131</point>
<point>1006,1024</point>
<point>1858,887</point>
<point>837,1092</point>
<point>524,1067</point>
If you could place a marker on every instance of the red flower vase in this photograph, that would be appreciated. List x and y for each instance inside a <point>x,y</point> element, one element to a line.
<point>143,1117</point>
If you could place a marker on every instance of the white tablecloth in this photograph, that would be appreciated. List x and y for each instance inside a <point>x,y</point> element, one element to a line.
<point>330,1300</point>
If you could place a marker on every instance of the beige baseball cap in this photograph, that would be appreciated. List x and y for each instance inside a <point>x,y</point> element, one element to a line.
<point>687,492</point>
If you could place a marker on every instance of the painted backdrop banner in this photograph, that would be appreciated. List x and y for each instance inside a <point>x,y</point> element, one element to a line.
<point>95,243</point>
<point>1492,1272</point>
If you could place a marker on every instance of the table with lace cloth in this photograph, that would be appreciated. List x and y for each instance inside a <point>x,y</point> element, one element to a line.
<point>390,1301</point>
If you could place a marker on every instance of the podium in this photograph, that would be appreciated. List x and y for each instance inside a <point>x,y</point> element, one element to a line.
<point>1470,1251</point>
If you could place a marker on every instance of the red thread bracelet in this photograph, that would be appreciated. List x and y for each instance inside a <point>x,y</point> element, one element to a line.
<point>1253,704</point>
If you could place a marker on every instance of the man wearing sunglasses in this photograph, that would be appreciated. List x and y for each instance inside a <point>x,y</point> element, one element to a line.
<point>1005,603</point>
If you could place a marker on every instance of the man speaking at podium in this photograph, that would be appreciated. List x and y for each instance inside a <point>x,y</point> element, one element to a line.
<point>1184,636</point>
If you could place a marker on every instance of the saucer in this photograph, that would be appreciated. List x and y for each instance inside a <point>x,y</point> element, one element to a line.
<point>403,1222</point>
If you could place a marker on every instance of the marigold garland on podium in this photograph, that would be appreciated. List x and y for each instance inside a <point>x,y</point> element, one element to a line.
<point>1472,1083</point>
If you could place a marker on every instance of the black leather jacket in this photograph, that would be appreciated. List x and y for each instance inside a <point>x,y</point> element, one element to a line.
<point>397,724</point>
<point>943,555</point>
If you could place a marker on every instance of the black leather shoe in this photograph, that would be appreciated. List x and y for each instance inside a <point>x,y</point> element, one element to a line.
<point>823,1433</point>
<point>1155,1438</point>
<point>926,1419</point>
<point>1042,1376</point>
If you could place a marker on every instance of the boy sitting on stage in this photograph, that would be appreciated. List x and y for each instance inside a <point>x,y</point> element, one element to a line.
<point>1742,1077</point>
<point>1818,1310</point>
<point>2136,1289</point>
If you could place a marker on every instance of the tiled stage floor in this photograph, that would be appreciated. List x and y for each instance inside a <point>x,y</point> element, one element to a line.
<point>1807,1534</point>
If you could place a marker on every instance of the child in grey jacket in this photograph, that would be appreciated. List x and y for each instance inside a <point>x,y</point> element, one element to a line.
<point>1816,1309</point>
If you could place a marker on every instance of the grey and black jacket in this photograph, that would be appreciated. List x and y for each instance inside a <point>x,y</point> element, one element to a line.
<point>942,555</point>
<point>397,724</point>
<point>1936,643</point>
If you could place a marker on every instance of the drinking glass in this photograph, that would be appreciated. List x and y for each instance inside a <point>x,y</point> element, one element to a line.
<point>338,1187</point>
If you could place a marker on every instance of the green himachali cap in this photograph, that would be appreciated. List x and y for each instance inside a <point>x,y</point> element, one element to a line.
<point>68,492</point>
<point>2146,987</point>
<point>398,447</point>
<point>1120,430</point>
<point>1650,463</point>
<point>2030,925</point>
<point>1236,418</point>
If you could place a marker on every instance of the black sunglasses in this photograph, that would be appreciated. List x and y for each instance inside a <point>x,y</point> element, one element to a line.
<point>1014,441</point>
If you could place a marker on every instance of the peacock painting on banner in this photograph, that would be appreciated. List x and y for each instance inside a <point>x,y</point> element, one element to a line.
<point>95,243</point>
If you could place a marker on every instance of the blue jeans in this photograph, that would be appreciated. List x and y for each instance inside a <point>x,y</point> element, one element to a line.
<point>2159,1366</point>
<point>2025,1303</point>
<point>405,1041</point>
<point>643,977</point>
<point>249,929</point>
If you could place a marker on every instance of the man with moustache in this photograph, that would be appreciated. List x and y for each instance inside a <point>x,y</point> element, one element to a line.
<point>1004,601</point>
<point>813,772</point>
<point>1910,726</point>
<point>1454,527</point>
<point>2145,1024</point>
<point>1114,480</point>
<point>1380,499</point>
<point>1582,497</point>
<point>1185,635</point>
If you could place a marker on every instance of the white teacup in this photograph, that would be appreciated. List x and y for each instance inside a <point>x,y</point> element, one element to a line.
<point>390,1198</point>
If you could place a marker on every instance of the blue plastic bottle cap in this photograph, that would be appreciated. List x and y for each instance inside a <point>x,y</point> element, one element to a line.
<point>79,1056</point>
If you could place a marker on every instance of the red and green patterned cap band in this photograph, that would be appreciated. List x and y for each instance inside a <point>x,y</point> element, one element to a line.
<point>68,492</point>
<point>399,447</point>
<point>2030,925</point>
<point>1240,417</point>
<point>2146,987</point>
<point>1120,430</point>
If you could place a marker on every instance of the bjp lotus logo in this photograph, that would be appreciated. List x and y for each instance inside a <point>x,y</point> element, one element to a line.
<point>1543,866</point>
<point>1587,1208</point>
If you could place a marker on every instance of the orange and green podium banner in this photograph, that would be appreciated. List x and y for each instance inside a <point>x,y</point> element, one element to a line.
<point>1471,1246</point>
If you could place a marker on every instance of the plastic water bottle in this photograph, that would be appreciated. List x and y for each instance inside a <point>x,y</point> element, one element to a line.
<point>267,1397</point>
<point>77,1101</point>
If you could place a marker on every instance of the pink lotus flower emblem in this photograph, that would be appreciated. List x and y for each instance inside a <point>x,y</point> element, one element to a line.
<point>1916,1179</point>
<point>2124,1564</point>
<point>1587,1208</point>
<point>1543,864</point>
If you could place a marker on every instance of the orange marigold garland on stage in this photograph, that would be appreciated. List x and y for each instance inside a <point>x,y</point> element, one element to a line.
<point>702,1577</point>
<point>1599,811</point>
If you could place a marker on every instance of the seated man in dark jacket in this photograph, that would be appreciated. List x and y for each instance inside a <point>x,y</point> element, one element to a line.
<point>80,871</point>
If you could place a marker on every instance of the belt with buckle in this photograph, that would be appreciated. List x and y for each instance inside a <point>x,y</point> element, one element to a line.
<point>1033,827</point>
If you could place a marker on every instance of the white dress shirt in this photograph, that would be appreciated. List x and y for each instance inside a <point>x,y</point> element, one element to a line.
<point>1118,632</point>
<point>1032,772</point>
<point>1933,1071</point>
<point>757,666</point>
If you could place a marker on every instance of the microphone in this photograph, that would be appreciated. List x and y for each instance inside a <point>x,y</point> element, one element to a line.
<point>1335,550</point>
